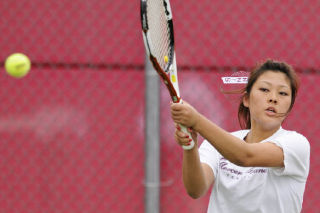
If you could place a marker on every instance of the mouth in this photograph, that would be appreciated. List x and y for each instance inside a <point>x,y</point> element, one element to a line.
<point>271,110</point>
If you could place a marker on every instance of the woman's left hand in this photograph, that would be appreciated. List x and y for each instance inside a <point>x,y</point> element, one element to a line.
<point>185,114</point>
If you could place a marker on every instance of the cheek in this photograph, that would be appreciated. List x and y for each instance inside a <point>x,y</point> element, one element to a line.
<point>255,100</point>
<point>286,101</point>
<point>288,104</point>
<point>254,107</point>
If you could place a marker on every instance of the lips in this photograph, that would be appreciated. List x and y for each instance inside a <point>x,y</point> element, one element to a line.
<point>271,110</point>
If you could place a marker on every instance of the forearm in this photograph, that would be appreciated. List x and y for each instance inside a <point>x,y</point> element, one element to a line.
<point>229,146</point>
<point>194,178</point>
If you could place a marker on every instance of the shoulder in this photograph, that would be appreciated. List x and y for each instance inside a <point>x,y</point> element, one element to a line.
<point>296,151</point>
<point>293,137</point>
<point>292,142</point>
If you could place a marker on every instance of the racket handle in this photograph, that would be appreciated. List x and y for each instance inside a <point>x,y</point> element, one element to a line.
<point>184,129</point>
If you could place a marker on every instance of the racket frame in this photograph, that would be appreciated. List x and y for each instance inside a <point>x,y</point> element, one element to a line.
<point>171,80</point>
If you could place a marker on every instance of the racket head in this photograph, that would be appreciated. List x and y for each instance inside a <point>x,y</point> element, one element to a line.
<point>157,30</point>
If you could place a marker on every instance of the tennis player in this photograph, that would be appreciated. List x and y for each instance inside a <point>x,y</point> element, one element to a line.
<point>263,168</point>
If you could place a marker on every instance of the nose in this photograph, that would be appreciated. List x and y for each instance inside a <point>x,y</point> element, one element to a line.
<point>273,101</point>
<point>273,98</point>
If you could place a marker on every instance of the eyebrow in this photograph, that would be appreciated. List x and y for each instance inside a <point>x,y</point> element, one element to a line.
<point>281,85</point>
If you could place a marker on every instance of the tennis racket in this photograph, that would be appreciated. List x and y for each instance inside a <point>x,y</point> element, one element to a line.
<point>158,37</point>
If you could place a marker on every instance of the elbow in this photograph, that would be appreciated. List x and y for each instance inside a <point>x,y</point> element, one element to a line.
<point>244,160</point>
<point>196,192</point>
<point>194,195</point>
<point>238,162</point>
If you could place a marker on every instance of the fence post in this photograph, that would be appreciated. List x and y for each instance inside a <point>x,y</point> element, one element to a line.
<point>152,140</point>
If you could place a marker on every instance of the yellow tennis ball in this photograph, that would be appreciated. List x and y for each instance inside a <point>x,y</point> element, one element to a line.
<point>17,65</point>
<point>166,59</point>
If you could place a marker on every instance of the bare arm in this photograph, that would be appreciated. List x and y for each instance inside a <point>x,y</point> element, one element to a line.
<point>231,147</point>
<point>197,176</point>
<point>236,150</point>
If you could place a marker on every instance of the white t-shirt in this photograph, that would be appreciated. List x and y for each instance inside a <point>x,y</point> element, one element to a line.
<point>260,189</point>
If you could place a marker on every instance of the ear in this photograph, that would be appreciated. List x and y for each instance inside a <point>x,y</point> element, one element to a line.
<point>245,100</point>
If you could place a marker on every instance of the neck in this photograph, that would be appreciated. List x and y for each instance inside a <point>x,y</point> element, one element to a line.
<point>257,134</point>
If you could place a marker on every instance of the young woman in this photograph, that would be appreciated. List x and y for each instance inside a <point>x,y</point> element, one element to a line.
<point>263,168</point>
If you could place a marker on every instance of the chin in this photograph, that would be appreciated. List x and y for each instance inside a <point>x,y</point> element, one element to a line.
<point>272,127</point>
<point>269,124</point>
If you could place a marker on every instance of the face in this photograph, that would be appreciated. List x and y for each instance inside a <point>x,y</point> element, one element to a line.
<point>269,100</point>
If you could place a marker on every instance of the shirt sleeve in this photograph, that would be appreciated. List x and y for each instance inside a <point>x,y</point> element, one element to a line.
<point>296,151</point>
<point>209,155</point>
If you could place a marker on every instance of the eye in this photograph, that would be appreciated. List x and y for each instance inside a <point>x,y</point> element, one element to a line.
<point>263,89</point>
<point>283,93</point>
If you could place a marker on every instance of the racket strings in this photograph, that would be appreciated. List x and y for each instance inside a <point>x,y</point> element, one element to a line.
<point>159,33</point>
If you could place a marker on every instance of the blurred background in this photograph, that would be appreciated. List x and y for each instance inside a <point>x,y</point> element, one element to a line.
<point>72,132</point>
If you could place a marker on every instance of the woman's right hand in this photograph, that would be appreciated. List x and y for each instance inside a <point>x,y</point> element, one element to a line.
<point>183,139</point>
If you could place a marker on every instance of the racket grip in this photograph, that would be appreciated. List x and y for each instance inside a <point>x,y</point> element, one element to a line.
<point>184,129</point>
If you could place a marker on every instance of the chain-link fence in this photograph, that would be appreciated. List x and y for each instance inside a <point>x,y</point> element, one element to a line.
<point>72,131</point>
